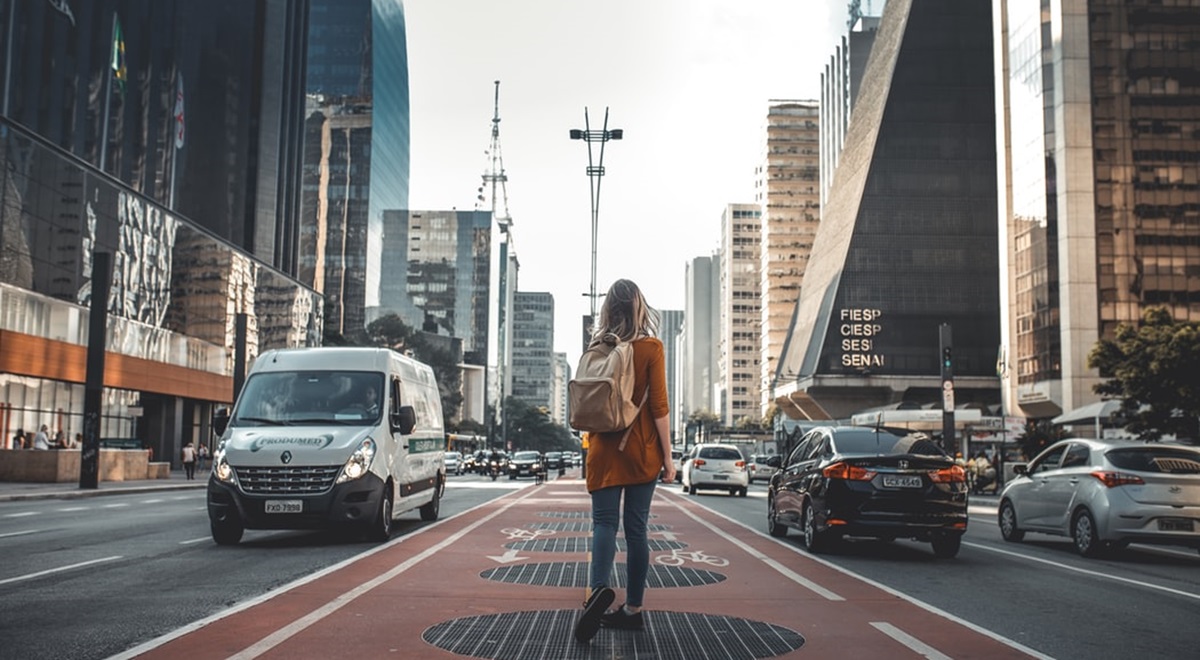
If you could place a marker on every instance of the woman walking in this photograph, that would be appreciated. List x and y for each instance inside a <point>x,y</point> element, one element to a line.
<point>630,471</point>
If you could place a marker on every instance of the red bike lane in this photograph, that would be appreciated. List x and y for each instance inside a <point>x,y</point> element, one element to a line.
<point>505,580</point>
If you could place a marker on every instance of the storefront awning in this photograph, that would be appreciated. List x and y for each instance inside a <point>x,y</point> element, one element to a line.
<point>1093,413</point>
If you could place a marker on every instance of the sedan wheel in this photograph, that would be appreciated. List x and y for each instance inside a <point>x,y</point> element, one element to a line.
<point>814,541</point>
<point>1083,532</point>
<point>774,528</point>
<point>946,546</point>
<point>1008,522</point>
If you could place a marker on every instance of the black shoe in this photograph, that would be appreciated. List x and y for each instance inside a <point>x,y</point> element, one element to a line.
<point>622,620</point>
<point>589,621</point>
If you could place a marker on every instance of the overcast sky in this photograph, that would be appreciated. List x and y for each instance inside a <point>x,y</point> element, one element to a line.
<point>687,80</point>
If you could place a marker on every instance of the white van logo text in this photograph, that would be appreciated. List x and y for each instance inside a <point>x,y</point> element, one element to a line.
<point>319,442</point>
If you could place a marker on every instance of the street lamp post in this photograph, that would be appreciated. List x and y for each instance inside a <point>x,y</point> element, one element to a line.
<point>595,171</point>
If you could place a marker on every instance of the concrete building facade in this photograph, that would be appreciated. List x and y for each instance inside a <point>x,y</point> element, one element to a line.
<point>740,313</point>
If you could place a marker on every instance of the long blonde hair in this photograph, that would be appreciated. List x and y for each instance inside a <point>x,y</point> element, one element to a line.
<point>625,313</point>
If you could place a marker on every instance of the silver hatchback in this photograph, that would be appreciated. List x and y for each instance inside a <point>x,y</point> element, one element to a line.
<point>715,466</point>
<point>1106,494</point>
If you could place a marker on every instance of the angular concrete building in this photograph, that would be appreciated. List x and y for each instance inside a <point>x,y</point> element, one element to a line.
<point>908,240</point>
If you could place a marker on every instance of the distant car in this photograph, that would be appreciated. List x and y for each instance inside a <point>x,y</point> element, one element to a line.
<point>454,463</point>
<point>553,460</point>
<point>1106,494</point>
<point>715,467</point>
<point>874,482</point>
<point>759,469</point>
<point>524,464</point>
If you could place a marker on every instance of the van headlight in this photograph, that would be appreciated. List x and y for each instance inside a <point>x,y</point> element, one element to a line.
<point>359,462</point>
<point>221,468</point>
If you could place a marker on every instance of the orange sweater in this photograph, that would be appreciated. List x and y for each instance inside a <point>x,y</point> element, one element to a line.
<point>642,459</point>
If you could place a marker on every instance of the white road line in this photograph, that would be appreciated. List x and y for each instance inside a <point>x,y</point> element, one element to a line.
<point>28,531</point>
<point>71,509</point>
<point>60,569</point>
<point>156,501</point>
<point>908,640</point>
<point>299,625</point>
<point>118,505</point>
<point>784,570</point>
<point>22,514</point>
<point>1089,573</point>
<point>202,538</point>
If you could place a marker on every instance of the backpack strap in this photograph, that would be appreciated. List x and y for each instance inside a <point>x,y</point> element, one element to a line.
<point>625,436</point>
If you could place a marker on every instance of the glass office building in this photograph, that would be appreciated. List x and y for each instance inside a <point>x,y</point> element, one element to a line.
<point>140,129</point>
<point>908,240</point>
<point>356,154</point>
<point>1100,196</point>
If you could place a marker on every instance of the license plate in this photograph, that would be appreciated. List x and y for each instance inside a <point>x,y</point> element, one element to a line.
<point>720,476</point>
<point>1175,525</point>
<point>283,506</point>
<point>902,481</point>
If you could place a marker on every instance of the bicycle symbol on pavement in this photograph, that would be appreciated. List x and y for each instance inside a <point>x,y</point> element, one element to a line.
<point>678,557</point>
<point>515,533</point>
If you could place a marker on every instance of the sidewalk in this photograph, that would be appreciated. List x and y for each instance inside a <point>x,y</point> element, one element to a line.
<point>20,490</point>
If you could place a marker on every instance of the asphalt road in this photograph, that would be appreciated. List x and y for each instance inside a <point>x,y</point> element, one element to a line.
<point>1140,602</point>
<point>89,578</point>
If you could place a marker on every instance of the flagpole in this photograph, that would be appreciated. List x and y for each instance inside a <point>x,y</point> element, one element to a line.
<point>107,99</point>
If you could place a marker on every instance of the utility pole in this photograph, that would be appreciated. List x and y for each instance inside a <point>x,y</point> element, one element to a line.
<point>946,341</point>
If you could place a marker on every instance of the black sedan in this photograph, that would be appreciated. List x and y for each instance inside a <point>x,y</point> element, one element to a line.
<point>525,464</point>
<point>868,482</point>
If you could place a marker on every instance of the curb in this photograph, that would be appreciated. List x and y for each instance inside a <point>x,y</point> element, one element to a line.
<point>82,493</point>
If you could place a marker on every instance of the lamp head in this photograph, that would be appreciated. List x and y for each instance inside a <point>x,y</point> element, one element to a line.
<point>576,134</point>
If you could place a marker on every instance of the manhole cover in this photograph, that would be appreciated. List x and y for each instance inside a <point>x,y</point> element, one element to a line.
<point>583,526</point>
<point>547,635</point>
<point>583,544</point>
<point>573,514</point>
<point>575,574</point>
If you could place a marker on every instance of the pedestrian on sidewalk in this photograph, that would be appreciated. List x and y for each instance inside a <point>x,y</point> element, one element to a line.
<point>19,440</point>
<point>189,460</point>
<point>631,471</point>
<point>201,456</point>
<point>42,439</point>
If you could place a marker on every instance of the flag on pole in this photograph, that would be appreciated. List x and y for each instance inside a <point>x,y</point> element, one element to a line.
<point>179,126</point>
<point>118,53</point>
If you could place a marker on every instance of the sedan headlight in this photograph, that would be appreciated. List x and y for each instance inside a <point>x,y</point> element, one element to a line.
<point>359,462</point>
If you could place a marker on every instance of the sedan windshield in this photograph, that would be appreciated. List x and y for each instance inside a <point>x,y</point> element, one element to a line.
<point>525,455</point>
<point>1172,460</point>
<point>881,441</point>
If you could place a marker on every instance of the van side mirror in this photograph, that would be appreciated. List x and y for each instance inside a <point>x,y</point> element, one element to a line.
<point>774,461</point>
<point>404,420</point>
<point>220,421</point>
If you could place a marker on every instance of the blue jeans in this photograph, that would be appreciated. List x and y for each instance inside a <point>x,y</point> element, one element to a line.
<point>606,504</point>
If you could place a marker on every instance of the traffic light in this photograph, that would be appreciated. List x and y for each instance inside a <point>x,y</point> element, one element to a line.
<point>946,360</point>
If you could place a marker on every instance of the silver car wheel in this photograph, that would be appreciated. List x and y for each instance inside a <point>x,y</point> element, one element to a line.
<point>1083,532</point>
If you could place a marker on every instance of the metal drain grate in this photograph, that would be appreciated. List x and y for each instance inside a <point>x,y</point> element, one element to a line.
<point>574,514</point>
<point>583,544</point>
<point>583,526</point>
<point>547,635</point>
<point>575,575</point>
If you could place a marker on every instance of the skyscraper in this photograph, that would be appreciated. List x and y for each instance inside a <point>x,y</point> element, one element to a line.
<point>740,313</point>
<point>356,153</point>
<point>908,240</point>
<point>788,191</point>
<point>533,348</point>
<point>1099,202</point>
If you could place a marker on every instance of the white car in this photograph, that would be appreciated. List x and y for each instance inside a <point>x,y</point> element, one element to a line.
<point>453,462</point>
<point>715,467</point>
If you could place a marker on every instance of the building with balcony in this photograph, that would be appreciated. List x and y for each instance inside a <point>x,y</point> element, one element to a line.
<point>740,314</point>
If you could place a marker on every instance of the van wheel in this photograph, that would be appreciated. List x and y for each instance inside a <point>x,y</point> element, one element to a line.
<point>430,511</point>
<point>381,528</point>
<point>227,532</point>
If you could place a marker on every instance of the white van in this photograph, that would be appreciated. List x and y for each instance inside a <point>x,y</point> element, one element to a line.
<point>327,437</point>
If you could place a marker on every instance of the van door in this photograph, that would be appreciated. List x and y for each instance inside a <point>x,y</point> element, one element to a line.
<point>421,449</point>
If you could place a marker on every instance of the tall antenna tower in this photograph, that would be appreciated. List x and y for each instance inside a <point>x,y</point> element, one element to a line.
<point>494,176</point>
<point>495,181</point>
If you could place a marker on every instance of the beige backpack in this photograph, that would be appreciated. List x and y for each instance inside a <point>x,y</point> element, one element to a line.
<point>601,393</point>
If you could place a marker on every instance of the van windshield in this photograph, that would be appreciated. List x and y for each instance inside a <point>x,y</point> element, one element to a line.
<point>311,397</point>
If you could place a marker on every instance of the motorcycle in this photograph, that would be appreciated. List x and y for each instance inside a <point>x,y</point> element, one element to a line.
<point>494,469</point>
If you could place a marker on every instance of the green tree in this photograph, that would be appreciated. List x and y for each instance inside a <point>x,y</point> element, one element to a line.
<point>1153,368</point>
<point>1037,436</point>
<point>530,427</point>
<point>704,421</point>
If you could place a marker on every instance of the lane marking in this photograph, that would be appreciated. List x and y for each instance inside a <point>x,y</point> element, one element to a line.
<point>299,625</point>
<point>908,640</point>
<point>202,538</point>
<point>28,531</point>
<point>783,570</point>
<point>71,509</point>
<point>154,501</point>
<point>60,569</point>
<point>1087,572</point>
<point>23,514</point>
<point>879,585</point>
<point>118,505</point>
